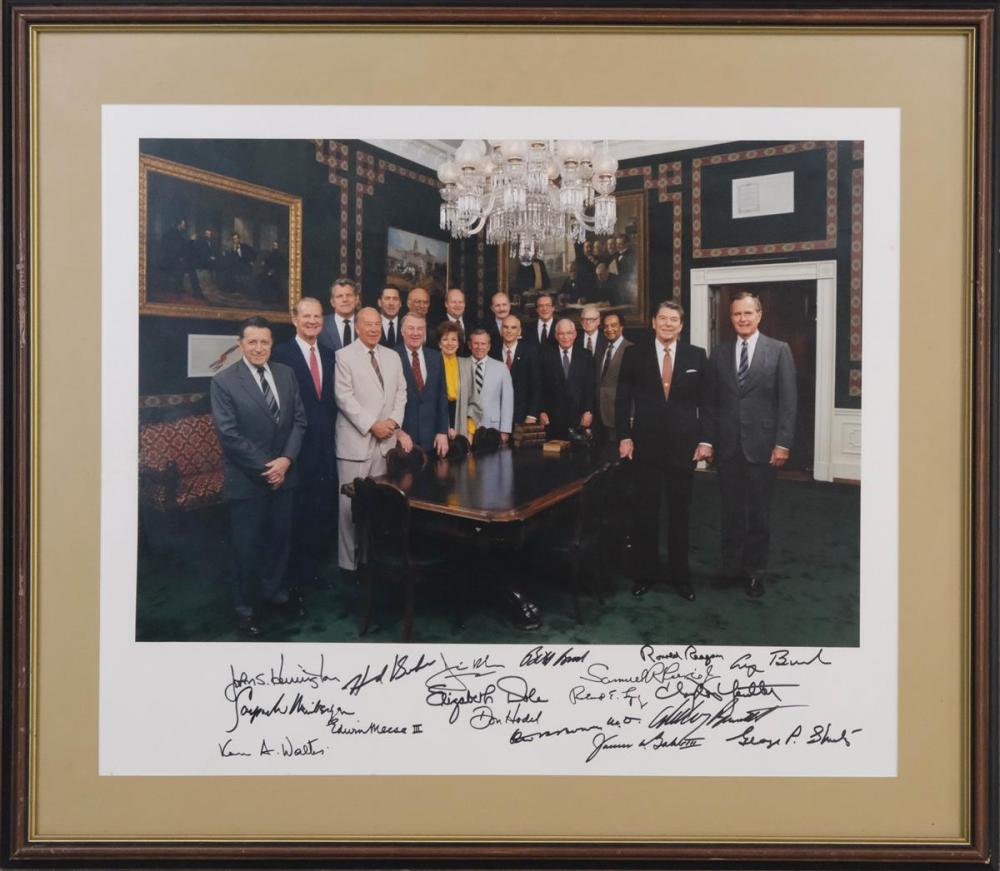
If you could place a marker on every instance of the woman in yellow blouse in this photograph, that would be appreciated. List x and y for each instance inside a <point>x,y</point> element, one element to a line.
<point>458,379</point>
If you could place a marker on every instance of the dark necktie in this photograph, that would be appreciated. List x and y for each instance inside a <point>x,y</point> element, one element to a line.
<point>272,403</point>
<point>418,376</point>
<point>510,360</point>
<point>375,366</point>
<point>590,345</point>
<point>314,371</point>
<point>391,334</point>
<point>744,367</point>
<point>347,333</point>
<point>545,332</point>
<point>566,364</point>
<point>607,360</point>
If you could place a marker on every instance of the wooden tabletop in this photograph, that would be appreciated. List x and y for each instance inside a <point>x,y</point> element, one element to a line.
<point>500,487</point>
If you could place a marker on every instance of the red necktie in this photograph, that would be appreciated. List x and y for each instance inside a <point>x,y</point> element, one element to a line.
<point>510,359</point>
<point>668,373</point>
<point>314,371</point>
<point>418,376</point>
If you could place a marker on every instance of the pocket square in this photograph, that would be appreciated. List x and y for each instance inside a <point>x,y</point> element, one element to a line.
<point>689,371</point>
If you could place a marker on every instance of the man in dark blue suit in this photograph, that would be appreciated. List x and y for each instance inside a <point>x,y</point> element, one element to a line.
<point>659,413</point>
<point>426,417</point>
<point>314,522</point>
<point>568,385</point>
<point>521,360</point>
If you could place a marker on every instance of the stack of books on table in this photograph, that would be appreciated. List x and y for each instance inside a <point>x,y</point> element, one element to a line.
<point>529,435</point>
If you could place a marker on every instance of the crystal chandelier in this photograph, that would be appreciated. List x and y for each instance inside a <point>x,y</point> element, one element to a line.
<point>528,192</point>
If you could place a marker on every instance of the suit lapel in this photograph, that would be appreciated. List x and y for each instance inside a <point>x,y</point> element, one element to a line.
<point>729,364</point>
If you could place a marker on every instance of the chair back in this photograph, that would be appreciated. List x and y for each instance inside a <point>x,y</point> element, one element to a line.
<point>381,512</point>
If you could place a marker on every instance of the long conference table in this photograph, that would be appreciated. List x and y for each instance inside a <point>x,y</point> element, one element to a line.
<point>496,502</point>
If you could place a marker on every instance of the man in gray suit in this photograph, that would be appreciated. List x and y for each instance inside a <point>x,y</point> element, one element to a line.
<point>260,420</point>
<point>370,389</point>
<point>339,327</point>
<point>492,404</point>
<point>609,364</point>
<point>749,426</point>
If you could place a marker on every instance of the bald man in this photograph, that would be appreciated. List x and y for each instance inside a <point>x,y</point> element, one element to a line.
<point>567,377</point>
<point>371,394</point>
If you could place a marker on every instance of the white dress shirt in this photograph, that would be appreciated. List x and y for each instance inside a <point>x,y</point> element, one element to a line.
<point>593,340</point>
<point>550,325</point>
<point>385,326</point>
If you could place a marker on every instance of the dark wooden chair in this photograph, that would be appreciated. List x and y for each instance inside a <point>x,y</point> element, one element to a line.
<point>381,511</point>
<point>584,546</point>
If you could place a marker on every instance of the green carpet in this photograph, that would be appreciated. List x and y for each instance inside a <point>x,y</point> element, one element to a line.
<point>811,600</point>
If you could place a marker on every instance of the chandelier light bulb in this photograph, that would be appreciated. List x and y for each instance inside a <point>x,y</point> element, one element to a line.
<point>605,164</point>
<point>469,153</point>
<point>570,150</point>
<point>514,149</point>
<point>448,173</point>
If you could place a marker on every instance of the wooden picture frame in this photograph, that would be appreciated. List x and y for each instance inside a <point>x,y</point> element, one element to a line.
<point>37,534</point>
<point>183,273</point>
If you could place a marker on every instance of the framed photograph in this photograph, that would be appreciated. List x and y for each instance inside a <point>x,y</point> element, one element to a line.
<point>845,718</point>
<point>212,246</point>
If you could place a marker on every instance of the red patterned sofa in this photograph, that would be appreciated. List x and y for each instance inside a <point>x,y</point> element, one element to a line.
<point>180,464</point>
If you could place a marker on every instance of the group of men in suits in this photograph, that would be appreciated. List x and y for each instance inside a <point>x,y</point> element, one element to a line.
<point>675,408</point>
<point>329,404</point>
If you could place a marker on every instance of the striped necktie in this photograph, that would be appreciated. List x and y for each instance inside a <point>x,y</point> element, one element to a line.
<point>744,367</point>
<point>479,377</point>
<point>272,403</point>
<point>376,367</point>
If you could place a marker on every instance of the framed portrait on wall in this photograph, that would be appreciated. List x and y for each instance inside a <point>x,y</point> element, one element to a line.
<point>609,271</point>
<point>213,246</point>
<point>412,260</point>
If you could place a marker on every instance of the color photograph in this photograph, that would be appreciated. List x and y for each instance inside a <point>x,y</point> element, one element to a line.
<point>543,472</point>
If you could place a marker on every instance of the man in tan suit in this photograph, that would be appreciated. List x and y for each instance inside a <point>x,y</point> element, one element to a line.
<point>609,364</point>
<point>371,394</point>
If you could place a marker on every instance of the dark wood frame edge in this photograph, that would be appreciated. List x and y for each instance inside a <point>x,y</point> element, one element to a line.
<point>18,846</point>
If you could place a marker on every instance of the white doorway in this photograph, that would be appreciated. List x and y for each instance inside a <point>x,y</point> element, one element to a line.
<point>837,432</point>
